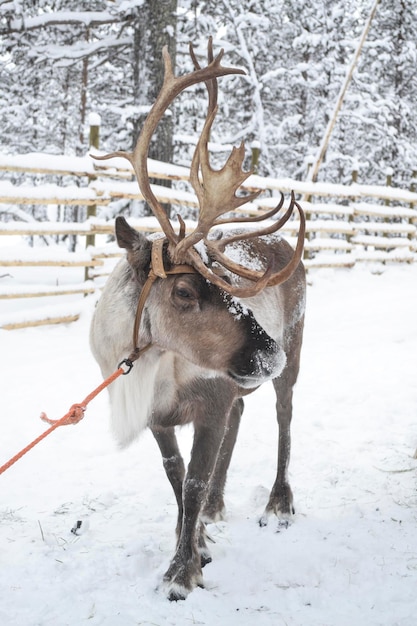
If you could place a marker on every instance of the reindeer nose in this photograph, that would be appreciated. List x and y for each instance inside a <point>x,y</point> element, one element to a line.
<point>261,359</point>
<point>269,365</point>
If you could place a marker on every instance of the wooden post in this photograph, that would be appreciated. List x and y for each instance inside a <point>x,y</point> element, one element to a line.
<point>413,220</point>
<point>413,183</point>
<point>95,122</point>
<point>355,174</point>
<point>307,198</point>
<point>256,153</point>
<point>388,182</point>
<point>94,142</point>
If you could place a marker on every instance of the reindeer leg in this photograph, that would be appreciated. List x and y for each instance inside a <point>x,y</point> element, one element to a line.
<point>173,464</point>
<point>214,508</point>
<point>175,471</point>
<point>281,497</point>
<point>184,572</point>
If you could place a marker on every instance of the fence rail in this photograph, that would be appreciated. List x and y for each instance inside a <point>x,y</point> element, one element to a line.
<point>346,225</point>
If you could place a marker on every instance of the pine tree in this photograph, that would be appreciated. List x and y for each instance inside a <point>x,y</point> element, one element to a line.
<point>105,56</point>
<point>380,120</point>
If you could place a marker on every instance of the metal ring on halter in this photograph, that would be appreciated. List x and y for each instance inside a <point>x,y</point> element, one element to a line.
<point>129,365</point>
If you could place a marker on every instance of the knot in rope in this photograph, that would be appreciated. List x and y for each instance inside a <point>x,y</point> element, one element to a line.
<point>74,415</point>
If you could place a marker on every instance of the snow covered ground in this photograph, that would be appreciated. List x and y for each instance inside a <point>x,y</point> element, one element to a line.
<point>349,558</point>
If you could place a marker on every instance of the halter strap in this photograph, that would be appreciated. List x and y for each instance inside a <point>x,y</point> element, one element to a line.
<point>157,270</point>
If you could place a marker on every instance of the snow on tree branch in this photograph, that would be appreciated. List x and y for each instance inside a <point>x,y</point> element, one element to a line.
<point>63,18</point>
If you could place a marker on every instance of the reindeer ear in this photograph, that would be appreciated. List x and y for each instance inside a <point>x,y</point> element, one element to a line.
<point>137,245</point>
<point>126,236</point>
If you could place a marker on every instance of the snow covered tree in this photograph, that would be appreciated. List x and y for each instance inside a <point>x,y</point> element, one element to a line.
<point>49,93</point>
<point>73,56</point>
<point>378,125</point>
<point>293,53</point>
<point>60,59</point>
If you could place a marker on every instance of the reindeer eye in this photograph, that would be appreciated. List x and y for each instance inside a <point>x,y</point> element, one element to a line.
<point>184,293</point>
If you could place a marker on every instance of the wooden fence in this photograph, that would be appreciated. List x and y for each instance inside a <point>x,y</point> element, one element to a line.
<point>346,225</point>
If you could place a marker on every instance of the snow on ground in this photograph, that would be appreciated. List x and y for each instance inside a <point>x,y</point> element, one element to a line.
<point>350,557</point>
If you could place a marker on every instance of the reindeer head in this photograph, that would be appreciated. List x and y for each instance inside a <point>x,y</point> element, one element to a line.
<point>187,315</point>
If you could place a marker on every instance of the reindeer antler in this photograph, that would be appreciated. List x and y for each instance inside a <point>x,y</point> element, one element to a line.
<point>215,189</point>
<point>172,86</point>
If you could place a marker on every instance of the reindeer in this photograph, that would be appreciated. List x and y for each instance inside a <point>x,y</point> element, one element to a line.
<point>213,317</point>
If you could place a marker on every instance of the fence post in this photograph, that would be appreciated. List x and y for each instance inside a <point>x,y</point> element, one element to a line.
<point>351,216</point>
<point>256,153</point>
<point>355,172</point>
<point>413,220</point>
<point>413,185</point>
<point>388,181</point>
<point>355,175</point>
<point>307,198</point>
<point>94,120</point>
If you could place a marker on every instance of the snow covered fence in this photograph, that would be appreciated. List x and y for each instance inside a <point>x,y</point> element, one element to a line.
<point>346,224</point>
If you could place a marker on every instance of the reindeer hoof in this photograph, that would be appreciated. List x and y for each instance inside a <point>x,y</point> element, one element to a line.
<point>177,593</point>
<point>283,524</point>
<point>181,578</point>
<point>263,520</point>
<point>284,521</point>
<point>281,504</point>
<point>205,558</point>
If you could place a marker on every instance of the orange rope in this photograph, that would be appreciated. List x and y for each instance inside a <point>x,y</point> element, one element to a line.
<point>76,412</point>
<point>74,415</point>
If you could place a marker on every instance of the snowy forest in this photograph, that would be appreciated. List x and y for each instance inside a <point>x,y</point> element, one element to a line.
<point>61,60</point>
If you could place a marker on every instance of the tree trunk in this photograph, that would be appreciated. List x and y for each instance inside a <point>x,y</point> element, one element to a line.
<point>155,27</point>
<point>80,149</point>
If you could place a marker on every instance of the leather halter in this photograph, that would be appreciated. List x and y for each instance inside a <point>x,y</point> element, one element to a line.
<point>157,270</point>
